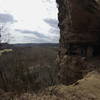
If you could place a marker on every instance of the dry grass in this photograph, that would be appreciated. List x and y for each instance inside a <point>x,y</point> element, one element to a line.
<point>24,73</point>
<point>28,68</point>
<point>85,89</point>
<point>5,50</point>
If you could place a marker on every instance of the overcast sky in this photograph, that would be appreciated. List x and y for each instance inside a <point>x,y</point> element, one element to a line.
<point>30,21</point>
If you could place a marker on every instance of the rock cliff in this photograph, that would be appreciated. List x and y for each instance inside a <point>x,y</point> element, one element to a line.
<point>79,23</point>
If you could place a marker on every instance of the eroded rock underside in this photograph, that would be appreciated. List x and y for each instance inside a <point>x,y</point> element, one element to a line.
<point>79,23</point>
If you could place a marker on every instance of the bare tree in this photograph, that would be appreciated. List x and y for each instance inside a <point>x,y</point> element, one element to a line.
<point>4,33</point>
<point>0,36</point>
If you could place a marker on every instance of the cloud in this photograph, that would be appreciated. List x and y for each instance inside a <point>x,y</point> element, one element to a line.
<point>54,31</point>
<point>36,33</point>
<point>50,1</point>
<point>24,31</point>
<point>6,18</point>
<point>54,25</point>
<point>39,37</point>
<point>35,40</point>
<point>52,22</point>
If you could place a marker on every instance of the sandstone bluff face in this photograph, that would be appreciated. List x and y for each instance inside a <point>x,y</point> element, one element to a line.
<point>79,23</point>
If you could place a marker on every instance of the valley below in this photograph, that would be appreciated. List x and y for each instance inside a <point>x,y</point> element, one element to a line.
<point>30,73</point>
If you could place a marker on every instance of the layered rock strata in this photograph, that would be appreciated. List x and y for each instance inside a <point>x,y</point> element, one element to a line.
<point>79,23</point>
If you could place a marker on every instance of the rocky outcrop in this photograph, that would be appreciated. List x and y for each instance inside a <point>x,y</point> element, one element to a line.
<point>79,23</point>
